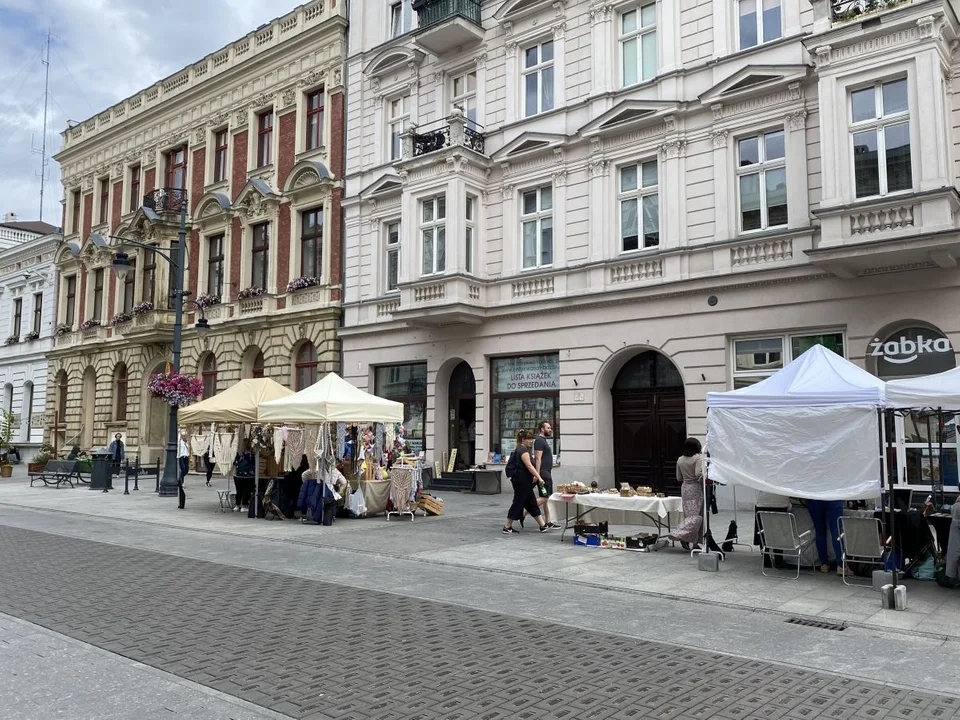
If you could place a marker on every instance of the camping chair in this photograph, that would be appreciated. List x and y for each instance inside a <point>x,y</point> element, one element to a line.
<point>860,543</point>
<point>778,532</point>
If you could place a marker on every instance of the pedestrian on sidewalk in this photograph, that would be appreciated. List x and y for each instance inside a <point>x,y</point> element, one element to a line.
<point>690,475</point>
<point>825,515</point>
<point>543,453</point>
<point>183,462</point>
<point>524,476</point>
<point>117,449</point>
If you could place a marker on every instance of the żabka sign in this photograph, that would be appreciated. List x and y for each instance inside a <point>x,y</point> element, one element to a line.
<point>912,351</point>
<point>905,350</point>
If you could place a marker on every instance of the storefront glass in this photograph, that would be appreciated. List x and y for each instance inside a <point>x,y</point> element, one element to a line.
<point>759,358</point>
<point>406,384</point>
<point>525,391</point>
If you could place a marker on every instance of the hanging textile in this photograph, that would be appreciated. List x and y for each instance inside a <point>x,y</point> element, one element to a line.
<point>311,434</point>
<point>378,447</point>
<point>225,450</point>
<point>200,444</point>
<point>341,441</point>
<point>401,481</point>
<point>295,448</point>
<point>278,437</point>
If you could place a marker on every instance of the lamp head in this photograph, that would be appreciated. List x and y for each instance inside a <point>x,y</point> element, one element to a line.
<point>121,265</point>
<point>202,325</point>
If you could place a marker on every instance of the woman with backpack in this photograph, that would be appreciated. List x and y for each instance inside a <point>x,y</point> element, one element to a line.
<point>523,474</point>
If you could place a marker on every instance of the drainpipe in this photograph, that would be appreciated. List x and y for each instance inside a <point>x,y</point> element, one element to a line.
<point>343,223</point>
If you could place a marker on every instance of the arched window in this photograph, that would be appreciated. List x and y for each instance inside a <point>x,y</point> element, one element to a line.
<point>8,398</point>
<point>62,389</point>
<point>258,365</point>
<point>306,369</point>
<point>209,375</point>
<point>120,383</point>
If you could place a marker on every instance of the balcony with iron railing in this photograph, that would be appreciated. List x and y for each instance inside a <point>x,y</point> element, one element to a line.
<point>842,11</point>
<point>165,200</point>
<point>446,25</point>
<point>453,131</point>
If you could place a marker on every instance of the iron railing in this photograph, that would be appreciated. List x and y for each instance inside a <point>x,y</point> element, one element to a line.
<point>430,140</point>
<point>431,12</point>
<point>165,200</point>
<point>846,10</point>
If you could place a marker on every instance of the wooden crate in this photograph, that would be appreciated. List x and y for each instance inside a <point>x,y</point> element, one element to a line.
<point>431,505</point>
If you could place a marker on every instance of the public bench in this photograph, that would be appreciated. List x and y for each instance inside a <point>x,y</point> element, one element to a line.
<point>56,472</point>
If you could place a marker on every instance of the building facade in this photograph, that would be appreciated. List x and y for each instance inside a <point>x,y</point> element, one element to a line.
<point>250,137</point>
<point>14,231</point>
<point>596,212</point>
<point>27,301</point>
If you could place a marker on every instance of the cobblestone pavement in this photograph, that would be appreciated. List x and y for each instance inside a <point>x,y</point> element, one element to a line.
<point>310,649</point>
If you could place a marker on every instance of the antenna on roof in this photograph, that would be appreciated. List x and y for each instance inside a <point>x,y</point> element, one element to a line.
<point>43,143</point>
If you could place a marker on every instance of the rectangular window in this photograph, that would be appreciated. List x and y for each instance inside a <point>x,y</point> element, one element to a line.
<point>880,128</point>
<point>755,359</point>
<point>265,138</point>
<point>433,232</point>
<point>762,181</point>
<point>134,188</point>
<point>17,316</point>
<point>759,22</point>
<point>464,95</point>
<point>177,168</point>
<point>392,243</point>
<point>70,306</point>
<point>104,200</point>
<point>397,119</point>
<point>97,295</point>
<point>149,276</point>
<point>639,206</point>
<point>130,287</point>
<point>75,216</point>
<point>37,312</point>
<point>311,244</point>
<point>469,234</point>
<point>258,255</point>
<point>406,384</point>
<point>401,17</point>
<point>537,227</point>
<point>538,79</point>
<point>316,103</point>
<point>215,265</point>
<point>525,392</point>
<point>221,145</point>
<point>638,44</point>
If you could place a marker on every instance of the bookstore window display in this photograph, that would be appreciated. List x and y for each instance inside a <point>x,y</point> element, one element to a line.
<point>525,391</point>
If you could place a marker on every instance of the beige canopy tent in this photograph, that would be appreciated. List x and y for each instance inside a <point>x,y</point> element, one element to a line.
<point>237,404</point>
<point>332,400</point>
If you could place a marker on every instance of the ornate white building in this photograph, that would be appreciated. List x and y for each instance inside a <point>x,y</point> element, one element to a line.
<point>596,212</point>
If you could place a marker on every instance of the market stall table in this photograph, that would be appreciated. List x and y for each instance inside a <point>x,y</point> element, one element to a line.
<point>656,509</point>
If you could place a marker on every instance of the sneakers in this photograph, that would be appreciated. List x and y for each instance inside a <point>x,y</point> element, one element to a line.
<point>548,527</point>
<point>553,526</point>
<point>824,568</point>
<point>507,530</point>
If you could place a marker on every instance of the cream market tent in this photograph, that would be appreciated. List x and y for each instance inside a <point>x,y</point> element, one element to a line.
<point>332,400</point>
<point>932,391</point>
<point>237,404</point>
<point>812,430</point>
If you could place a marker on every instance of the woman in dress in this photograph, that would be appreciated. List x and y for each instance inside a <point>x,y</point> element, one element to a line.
<point>690,476</point>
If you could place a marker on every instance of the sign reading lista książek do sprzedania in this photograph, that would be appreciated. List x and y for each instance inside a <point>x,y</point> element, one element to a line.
<point>912,351</point>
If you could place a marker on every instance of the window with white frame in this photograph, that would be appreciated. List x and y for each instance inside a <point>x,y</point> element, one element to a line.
<point>469,232</point>
<point>463,92</point>
<point>401,17</point>
<point>537,227</point>
<point>757,358</point>
<point>762,181</point>
<point>538,79</point>
<point>638,44</point>
<point>433,232</point>
<point>880,130</point>
<point>639,206</point>
<point>397,116</point>
<point>759,22</point>
<point>392,243</point>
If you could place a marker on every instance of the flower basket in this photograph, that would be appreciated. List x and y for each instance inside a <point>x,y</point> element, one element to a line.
<point>12,340</point>
<point>142,308</point>
<point>120,317</point>
<point>89,324</point>
<point>301,283</point>
<point>32,335</point>
<point>208,301</point>
<point>251,292</point>
<point>176,388</point>
<point>62,330</point>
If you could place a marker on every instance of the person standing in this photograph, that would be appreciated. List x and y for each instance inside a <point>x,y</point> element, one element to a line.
<point>825,515</point>
<point>523,478</point>
<point>117,450</point>
<point>183,461</point>
<point>690,476</point>
<point>543,453</point>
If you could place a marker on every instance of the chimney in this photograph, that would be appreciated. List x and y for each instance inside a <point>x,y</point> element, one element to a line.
<point>10,217</point>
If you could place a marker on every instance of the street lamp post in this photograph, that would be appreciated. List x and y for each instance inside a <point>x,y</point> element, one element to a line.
<point>168,199</point>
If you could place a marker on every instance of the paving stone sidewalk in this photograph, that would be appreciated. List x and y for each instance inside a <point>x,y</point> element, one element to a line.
<point>311,649</point>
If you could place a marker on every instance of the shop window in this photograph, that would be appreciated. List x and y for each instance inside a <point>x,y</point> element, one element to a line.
<point>639,206</point>
<point>880,132</point>
<point>638,44</point>
<point>392,242</point>
<point>538,79</point>
<point>755,359</point>
<point>433,232</point>
<point>762,181</point>
<point>406,384</point>
<point>306,366</point>
<point>759,22</point>
<point>525,392</point>
<point>537,227</point>
<point>208,373</point>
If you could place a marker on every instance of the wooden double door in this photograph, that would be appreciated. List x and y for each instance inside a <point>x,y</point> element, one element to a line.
<point>649,427</point>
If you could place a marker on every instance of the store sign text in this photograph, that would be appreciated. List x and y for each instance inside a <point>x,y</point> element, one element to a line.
<point>528,374</point>
<point>905,350</point>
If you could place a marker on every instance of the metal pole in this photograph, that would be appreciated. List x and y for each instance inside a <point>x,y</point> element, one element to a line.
<point>169,483</point>
<point>893,527</point>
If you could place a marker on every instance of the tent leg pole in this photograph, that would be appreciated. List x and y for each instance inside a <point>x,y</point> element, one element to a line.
<point>892,515</point>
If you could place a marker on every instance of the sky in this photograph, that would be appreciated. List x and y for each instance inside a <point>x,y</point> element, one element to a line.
<point>102,51</point>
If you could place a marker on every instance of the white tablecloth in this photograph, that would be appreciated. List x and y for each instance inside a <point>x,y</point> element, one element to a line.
<point>613,508</point>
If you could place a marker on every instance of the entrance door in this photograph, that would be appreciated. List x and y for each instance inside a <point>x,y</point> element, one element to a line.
<point>649,422</point>
<point>463,415</point>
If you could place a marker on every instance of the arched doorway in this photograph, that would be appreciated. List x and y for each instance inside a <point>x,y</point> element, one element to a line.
<point>89,407</point>
<point>649,422</point>
<point>463,414</point>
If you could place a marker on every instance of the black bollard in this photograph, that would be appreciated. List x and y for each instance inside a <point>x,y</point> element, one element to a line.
<point>126,479</point>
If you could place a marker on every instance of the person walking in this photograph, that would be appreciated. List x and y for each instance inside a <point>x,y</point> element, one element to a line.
<point>690,476</point>
<point>183,462</point>
<point>117,450</point>
<point>543,453</point>
<point>825,515</point>
<point>523,474</point>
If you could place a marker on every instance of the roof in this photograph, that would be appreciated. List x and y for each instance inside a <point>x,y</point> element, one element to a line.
<point>34,226</point>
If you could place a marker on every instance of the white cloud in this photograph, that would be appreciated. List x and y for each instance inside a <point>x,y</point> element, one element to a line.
<point>103,51</point>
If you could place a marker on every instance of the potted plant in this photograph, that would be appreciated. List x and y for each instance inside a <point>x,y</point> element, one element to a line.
<point>6,430</point>
<point>12,340</point>
<point>176,388</point>
<point>62,329</point>
<point>31,336</point>
<point>39,461</point>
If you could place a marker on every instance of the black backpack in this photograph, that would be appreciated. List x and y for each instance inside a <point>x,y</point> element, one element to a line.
<point>511,469</point>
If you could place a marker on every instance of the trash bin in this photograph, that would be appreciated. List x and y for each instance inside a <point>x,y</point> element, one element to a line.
<point>101,473</point>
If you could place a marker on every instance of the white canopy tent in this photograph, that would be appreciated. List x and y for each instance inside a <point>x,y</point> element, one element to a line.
<point>331,400</point>
<point>237,404</point>
<point>931,391</point>
<point>812,430</point>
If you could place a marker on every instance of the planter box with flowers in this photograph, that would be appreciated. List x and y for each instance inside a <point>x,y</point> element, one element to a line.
<point>31,336</point>
<point>254,301</point>
<point>12,340</point>
<point>176,388</point>
<point>301,293</point>
<point>120,318</point>
<point>91,330</point>
<point>212,307</point>
<point>142,308</point>
<point>63,336</point>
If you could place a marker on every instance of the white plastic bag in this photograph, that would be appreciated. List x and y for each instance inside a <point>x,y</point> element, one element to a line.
<point>356,503</point>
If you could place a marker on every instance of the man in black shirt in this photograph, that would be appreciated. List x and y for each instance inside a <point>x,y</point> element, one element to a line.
<point>543,459</point>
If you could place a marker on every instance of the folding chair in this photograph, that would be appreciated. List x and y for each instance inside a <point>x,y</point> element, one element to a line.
<point>860,542</point>
<point>778,532</point>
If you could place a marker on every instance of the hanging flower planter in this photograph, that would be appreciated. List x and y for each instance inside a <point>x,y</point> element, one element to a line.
<point>62,329</point>
<point>89,324</point>
<point>142,308</point>
<point>12,340</point>
<point>208,301</point>
<point>176,388</point>
<point>32,335</point>
<point>120,317</point>
<point>251,292</point>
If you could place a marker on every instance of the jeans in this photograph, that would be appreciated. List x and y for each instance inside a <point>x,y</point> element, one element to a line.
<point>826,514</point>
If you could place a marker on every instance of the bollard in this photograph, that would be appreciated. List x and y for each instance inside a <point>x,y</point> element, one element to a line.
<point>126,479</point>
<point>136,478</point>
